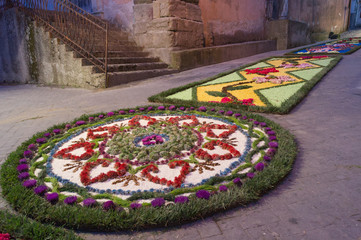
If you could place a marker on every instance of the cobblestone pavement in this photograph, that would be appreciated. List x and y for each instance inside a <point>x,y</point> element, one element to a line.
<point>320,199</point>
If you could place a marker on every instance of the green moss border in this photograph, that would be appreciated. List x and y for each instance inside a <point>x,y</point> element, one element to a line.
<point>95,219</point>
<point>21,227</point>
<point>293,53</point>
<point>285,108</point>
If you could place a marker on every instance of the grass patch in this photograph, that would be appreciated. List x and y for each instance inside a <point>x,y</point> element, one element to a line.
<point>21,227</point>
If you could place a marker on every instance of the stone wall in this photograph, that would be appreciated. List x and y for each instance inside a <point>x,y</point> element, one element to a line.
<point>58,66</point>
<point>30,55</point>
<point>118,12</point>
<point>233,21</point>
<point>14,57</point>
<point>321,16</point>
<point>163,26</point>
<point>288,33</point>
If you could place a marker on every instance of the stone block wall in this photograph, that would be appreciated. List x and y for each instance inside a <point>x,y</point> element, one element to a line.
<point>288,33</point>
<point>30,55</point>
<point>163,26</point>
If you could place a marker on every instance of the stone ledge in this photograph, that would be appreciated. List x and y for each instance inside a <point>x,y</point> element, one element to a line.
<point>192,58</point>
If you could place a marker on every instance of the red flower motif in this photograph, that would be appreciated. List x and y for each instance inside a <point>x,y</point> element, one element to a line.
<point>65,153</point>
<point>121,169</point>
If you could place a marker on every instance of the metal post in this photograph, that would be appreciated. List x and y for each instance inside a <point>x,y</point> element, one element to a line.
<point>106,55</point>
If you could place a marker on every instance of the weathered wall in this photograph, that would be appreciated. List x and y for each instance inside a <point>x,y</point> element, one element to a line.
<point>29,55</point>
<point>288,33</point>
<point>59,67</point>
<point>118,12</point>
<point>321,16</point>
<point>232,21</point>
<point>14,59</point>
<point>164,26</point>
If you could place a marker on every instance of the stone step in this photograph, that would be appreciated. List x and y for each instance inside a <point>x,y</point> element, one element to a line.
<point>135,66</point>
<point>116,54</point>
<point>124,60</point>
<point>126,77</point>
<point>116,47</point>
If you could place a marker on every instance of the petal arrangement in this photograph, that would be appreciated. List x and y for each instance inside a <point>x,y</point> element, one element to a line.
<point>177,151</point>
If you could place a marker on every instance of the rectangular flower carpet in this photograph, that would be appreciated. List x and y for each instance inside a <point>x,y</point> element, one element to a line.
<point>337,47</point>
<point>274,84</point>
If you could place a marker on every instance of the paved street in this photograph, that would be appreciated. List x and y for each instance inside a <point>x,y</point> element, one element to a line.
<point>320,199</point>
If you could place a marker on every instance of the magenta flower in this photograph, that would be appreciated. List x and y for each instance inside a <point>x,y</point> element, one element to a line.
<point>150,108</point>
<point>271,151</point>
<point>121,112</point>
<point>223,188</point>
<point>32,147</point>
<point>28,154</point>
<point>272,138</point>
<point>213,110</point>
<point>23,161</point>
<point>273,144</point>
<point>70,200</point>
<point>22,168</point>
<point>158,202</point>
<point>101,116</point>
<point>237,182</point>
<point>108,205</point>
<point>135,205</point>
<point>271,133</point>
<point>256,123</point>
<point>181,199</point>
<point>40,190</point>
<point>131,111</point>
<point>89,202</point>
<point>47,135</point>
<point>67,126</point>
<point>109,114</point>
<point>41,140</point>
<point>182,108</point>
<point>23,176</point>
<point>259,167</point>
<point>141,109</point>
<point>202,109</point>
<point>79,123</point>
<point>220,111</point>
<point>268,129</point>
<point>263,124</point>
<point>250,175</point>
<point>172,108</point>
<point>29,183</point>
<point>191,108</point>
<point>57,131</point>
<point>244,117</point>
<point>52,197</point>
<point>267,158</point>
<point>161,108</point>
<point>229,113</point>
<point>237,115</point>
<point>91,119</point>
<point>203,194</point>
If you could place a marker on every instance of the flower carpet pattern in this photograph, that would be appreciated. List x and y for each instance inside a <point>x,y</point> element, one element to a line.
<point>147,158</point>
<point>343,46</point>
<point>272,83</point>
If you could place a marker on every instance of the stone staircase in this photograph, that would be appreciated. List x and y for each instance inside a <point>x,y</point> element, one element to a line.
<point>127,62</point>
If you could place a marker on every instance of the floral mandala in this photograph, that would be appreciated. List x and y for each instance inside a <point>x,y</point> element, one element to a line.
<point>148,158</point>
<point>144,148</point>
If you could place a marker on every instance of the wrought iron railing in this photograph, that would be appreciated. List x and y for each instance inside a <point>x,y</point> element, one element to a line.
<point>84,33</point>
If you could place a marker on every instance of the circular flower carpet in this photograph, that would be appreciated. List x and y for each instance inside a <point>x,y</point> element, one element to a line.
<point>146,167</point>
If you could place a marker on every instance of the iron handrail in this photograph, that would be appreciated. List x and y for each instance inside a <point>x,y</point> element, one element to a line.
<point>85,34</point>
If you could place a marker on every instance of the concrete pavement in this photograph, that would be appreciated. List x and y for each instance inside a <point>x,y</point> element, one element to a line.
<point>320,199</point>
